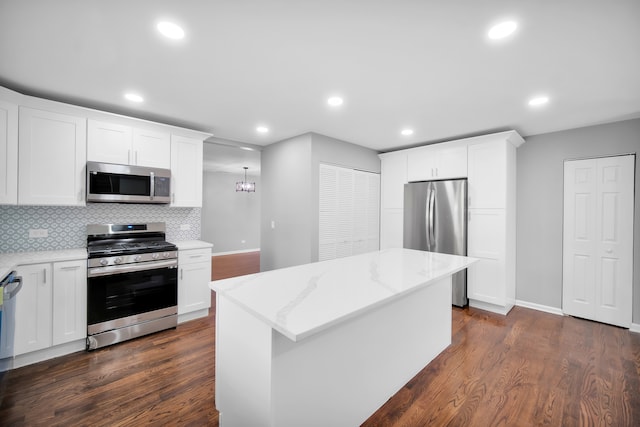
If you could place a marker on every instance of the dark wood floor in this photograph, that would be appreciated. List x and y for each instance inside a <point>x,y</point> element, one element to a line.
<point>529,368</point>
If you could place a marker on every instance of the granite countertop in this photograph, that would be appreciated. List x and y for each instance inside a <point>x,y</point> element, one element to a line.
<point>10,260</point>
<point>303,300</point>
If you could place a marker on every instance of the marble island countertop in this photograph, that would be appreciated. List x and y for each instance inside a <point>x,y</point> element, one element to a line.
<point>303,300</point>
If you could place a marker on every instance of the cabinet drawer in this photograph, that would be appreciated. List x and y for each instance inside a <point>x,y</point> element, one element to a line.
<point>192,256</point>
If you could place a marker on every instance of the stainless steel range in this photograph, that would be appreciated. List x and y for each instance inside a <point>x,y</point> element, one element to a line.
<point>132,282</point>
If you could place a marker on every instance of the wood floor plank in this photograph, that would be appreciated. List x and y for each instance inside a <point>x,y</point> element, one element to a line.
<point>528,368</point>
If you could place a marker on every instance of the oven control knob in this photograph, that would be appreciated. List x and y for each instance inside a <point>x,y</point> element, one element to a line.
<point>118,260</point>
<point>155,256</point>
<point>166,254</point>
<point>104,262</point>
<point>137,258</point>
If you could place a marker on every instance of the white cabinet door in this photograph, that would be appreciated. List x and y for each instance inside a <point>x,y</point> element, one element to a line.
<point>488,175</point>
<point>486,280</point>
<point>393,177</point>
<point>151,148</point>
<point>8,153</point>
<point>108,142</point>
<point>421,164</point>
<point>438,161</point>
<point>69,301</point>
<point>121,144</point>
<point>597,241</point>
<point>193,280</point>
<point>186,171</point>
<point>33,309</point>
<point>52,157</point>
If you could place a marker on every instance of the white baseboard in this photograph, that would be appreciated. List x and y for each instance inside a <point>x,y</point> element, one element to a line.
<point>539,307</point>
<point>635,327</point>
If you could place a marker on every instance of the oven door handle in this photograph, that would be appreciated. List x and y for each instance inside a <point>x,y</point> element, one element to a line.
<point>117,269</point>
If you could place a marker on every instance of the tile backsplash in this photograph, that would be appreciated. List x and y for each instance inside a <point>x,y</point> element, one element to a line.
<point>66,226</point>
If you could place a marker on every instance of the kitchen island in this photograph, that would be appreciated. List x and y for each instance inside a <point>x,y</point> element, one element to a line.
<point>327,343</point>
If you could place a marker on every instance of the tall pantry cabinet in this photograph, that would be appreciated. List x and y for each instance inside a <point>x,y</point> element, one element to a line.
<point>489,164</point>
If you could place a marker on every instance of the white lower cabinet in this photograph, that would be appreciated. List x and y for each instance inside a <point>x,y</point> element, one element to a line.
<point>51,307</point>
<point>489,281</point>
<point>194,275</point>
<point>69,301</point>
<point>34,309</point>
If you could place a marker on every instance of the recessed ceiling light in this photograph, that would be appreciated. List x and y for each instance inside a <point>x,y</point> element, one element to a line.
<point>407,132</point>
<point>538,101</point>
<point>262,129</point>
<point>247,148</point>
<point>133,97</point>
<point>170,30</point>
<point>502,30</point>
<point>334,101</point>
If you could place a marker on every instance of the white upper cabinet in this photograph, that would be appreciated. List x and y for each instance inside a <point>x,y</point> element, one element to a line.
<point>52,153</point>
<point>186,171</point>
<point>8,153</point>
<point>439,161</point>
<point>488,175</point>
<point>116,143</point>
<point>151,148</point>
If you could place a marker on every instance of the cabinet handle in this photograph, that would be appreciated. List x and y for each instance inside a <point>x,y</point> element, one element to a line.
<point>44,276</point>
<point>136,156</point>
<point>70,267</point>
<point>173,197</point>
<point>181,270</point>
<point>195,256</point>
<point>128,157</point>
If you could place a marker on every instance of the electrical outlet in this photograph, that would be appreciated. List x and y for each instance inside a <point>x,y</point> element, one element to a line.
<point>38,233</point>
<point>185,227</point>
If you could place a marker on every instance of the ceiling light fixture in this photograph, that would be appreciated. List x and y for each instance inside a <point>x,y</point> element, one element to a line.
<point>262,129</point>
<point>249,187</point>
<point>538,101</point>
<point>335,101</point>
<point>502,30</point>
<point>407,132</point>
<point>170,30</point>
<point>133,97</point>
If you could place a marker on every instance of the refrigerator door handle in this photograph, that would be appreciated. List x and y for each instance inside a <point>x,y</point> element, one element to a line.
<point>427,217</point>
<point>432,215</point>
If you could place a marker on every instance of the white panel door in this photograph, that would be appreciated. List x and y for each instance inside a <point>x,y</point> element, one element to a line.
<point>598,239</point>
<point>579,240</point>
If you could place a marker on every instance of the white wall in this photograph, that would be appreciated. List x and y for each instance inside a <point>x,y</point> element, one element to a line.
<point>230,219</point>
<point>285,200</point>
<point>540,204</point>
<point>290,196</point>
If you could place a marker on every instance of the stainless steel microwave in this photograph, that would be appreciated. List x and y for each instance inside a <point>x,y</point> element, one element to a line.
<point>108,182</point>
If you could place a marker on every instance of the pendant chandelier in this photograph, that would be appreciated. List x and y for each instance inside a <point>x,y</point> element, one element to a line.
<point>244,185</point>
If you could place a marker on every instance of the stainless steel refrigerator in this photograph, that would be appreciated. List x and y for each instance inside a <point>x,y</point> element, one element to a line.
<point>435,220</point>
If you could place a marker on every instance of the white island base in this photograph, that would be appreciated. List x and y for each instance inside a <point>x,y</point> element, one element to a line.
<point>328,343</point>
<point>337,377</point>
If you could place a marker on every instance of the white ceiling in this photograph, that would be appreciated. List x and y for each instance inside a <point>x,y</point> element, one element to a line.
<point>424,64</point>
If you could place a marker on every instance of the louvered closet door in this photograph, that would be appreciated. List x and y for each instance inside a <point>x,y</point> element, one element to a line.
<point>598,239</point>
<point>349,212</point>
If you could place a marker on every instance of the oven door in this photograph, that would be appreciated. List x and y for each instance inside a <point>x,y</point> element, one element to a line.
<point>120,296</point>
